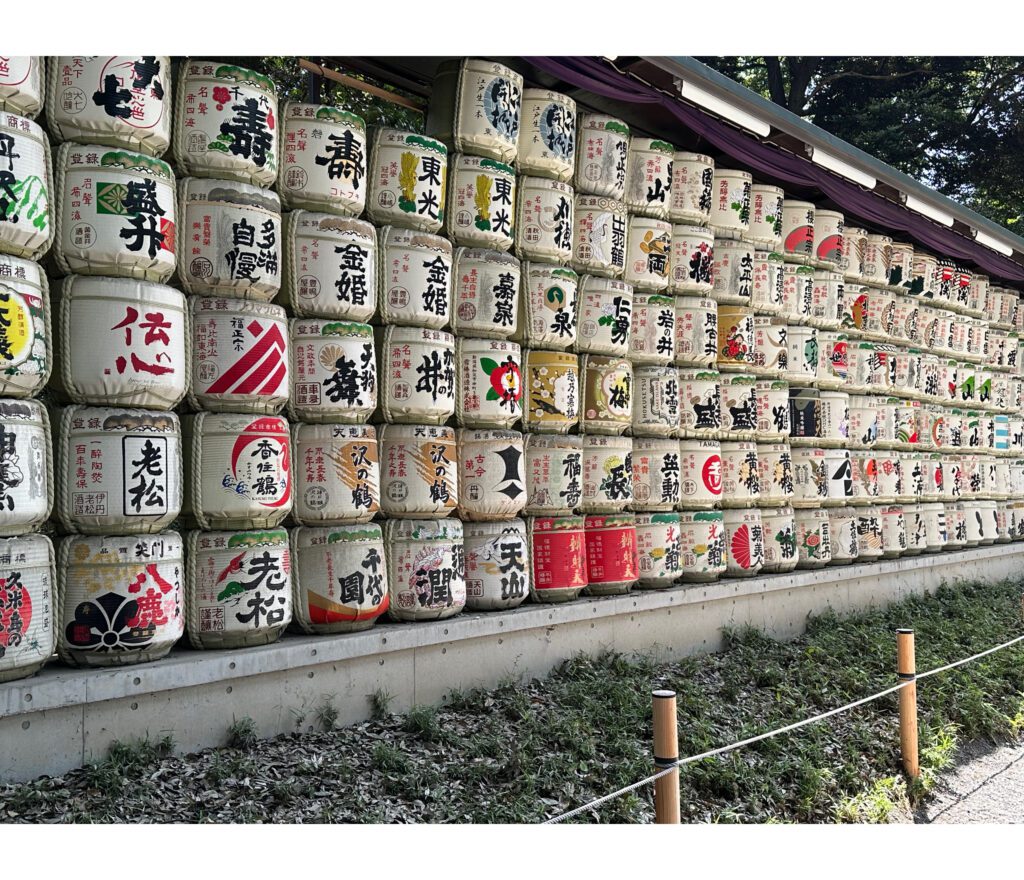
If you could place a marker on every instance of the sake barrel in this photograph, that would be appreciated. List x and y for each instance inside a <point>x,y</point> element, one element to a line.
<point>772,410</point>
<point>547,306</point>
<point>28,596</point>
<point>702,542</point>
<point>739,405</point>
<point>558,558</point>
<point>890,475</point>
<point>117,213</point>
<point>978,333</point>
<point>333,371</point>
<point>852,262</point>
<point>954,478</point>
<point>122,342</point>
<point>648,250</point>
<point>802,359</point>
<point>607,390</point>
<point>492,476</point>
<point>1004,522</point>
<point>771,347</point>
<point>1017,436</point>
<point>652,329</point>
<point>602,156</point>
<point>337,474</point>
<point>991,309</point>
<point>934,466</point>
<point>1001,430</point>
<point>26,220</point>
<point>864,421</point>
<point>945,283</point>
<point>605,313</point>
<point>118,470</point>
<point>658,550</point>
<point>476,106</point>
<point>797,293</point>
<point>612,559</point>
<point>835,419</point>
<point>798,231</point>
<point>26,467</point>
<point>827,300</point>
<point>701,473</point>
<point>856,301</point>
<point>225,123</point>
<point>481,203</point>
<point>901,266</point>
<point>691,258</point>
<point>1009,303</point>
<point>238,356</point>
<point>692,178</point>
<point>842,532</point>
<point>324,157</point>
<point>869,534</point>
<point>736,342</point>
<point>696,330</point>
<point>810,476</point>
<point>732,272</point>
<point>415,272</point>
<point>649,177</point>
<point>489,389</point>
<point>419,471</point>
<point>930,377</point>
<point>119,599</point>
<point>958,335</point>
<point>607,474</point>
<point>778,526</point>
<point>956,526</point>
<point>407,181</point>
<point>949,382</point>
<point>234,234</point>
<point>656,409</point>
<point>864,467</point>
<point>805,417</point>
<point>767,294</point>
<point>907,374</point>
<point>744,537</point>
<point>967,377</point>
<point>238,590</point>
<point>419,375</point>
<point>833,361</point>
<point>547,135</point>
<point>552,382</point>
<point>765,228</point>
<point>894,531</point>
<point>22,84</point>
<point>730,203</point>
<point>655,474</point>
<point>117,101</point>
<point>330,266</point>
<point>906,319</point>
<point>999,479</point>
<point>426,568</point>
<point>977,295</point>
<point>881,316</point>
<point>543,227</point>
<point>962,289</point>
<point>554,471</point>
<point>813,539</point>
<point>774,474</point>
<point>839,469</point>
<point>877,259</point>
<point>497,565</point>
<point>828,238</point>
<point>599,235</point>
<point>936,530</point>
<point>917,538</point>
<point>26,343</point>
<point>700,403</point>
<point>339,578</point>
<point>924,270</point>
<point>741,484</point>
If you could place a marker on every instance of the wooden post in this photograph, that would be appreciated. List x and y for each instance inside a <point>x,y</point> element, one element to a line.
<point>666,753</point>
<point>906,668</point>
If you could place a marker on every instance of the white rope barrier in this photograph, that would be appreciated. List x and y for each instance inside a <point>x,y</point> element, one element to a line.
<point>721,750</point>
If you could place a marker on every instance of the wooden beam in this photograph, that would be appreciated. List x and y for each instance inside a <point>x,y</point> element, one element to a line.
<point>354,83</point>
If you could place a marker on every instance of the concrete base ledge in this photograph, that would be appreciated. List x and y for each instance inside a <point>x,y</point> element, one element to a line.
<point>63,717</point>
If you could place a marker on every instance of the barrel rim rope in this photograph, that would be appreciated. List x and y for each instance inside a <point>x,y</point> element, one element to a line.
<point>63,499</point>
<point>196,471</point>
<point>32,526</point>
<point>66,374</point>
<point>52,74</point>
<point>43,379</point>
<point>134,273</point>
<point>53,215</point>
<point>38,62</point>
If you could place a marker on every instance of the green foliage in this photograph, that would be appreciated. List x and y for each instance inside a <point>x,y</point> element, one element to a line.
<point>242,733</point>
<point>952,122</point>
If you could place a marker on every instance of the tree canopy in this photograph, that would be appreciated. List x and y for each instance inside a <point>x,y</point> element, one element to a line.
<point>954,123</point>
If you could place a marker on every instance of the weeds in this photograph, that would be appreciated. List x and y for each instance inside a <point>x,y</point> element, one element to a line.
<point>242,733</point>
<point>327,715</point>
<point>380,704</point>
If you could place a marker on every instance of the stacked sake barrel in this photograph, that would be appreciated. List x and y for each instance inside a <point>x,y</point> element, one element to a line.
<point>28,602</point>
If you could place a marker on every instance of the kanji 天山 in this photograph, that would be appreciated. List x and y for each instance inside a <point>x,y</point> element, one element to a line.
<point>512,567</point>
<point>249,132</point>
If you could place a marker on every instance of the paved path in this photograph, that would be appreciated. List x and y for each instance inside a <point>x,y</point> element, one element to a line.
<point>985,785</point>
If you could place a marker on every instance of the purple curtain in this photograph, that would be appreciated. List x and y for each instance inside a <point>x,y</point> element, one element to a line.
<point>599,78</point>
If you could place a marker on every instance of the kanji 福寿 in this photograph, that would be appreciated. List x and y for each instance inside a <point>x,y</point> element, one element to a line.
<point>250,136</point>
<point>343,158</point>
